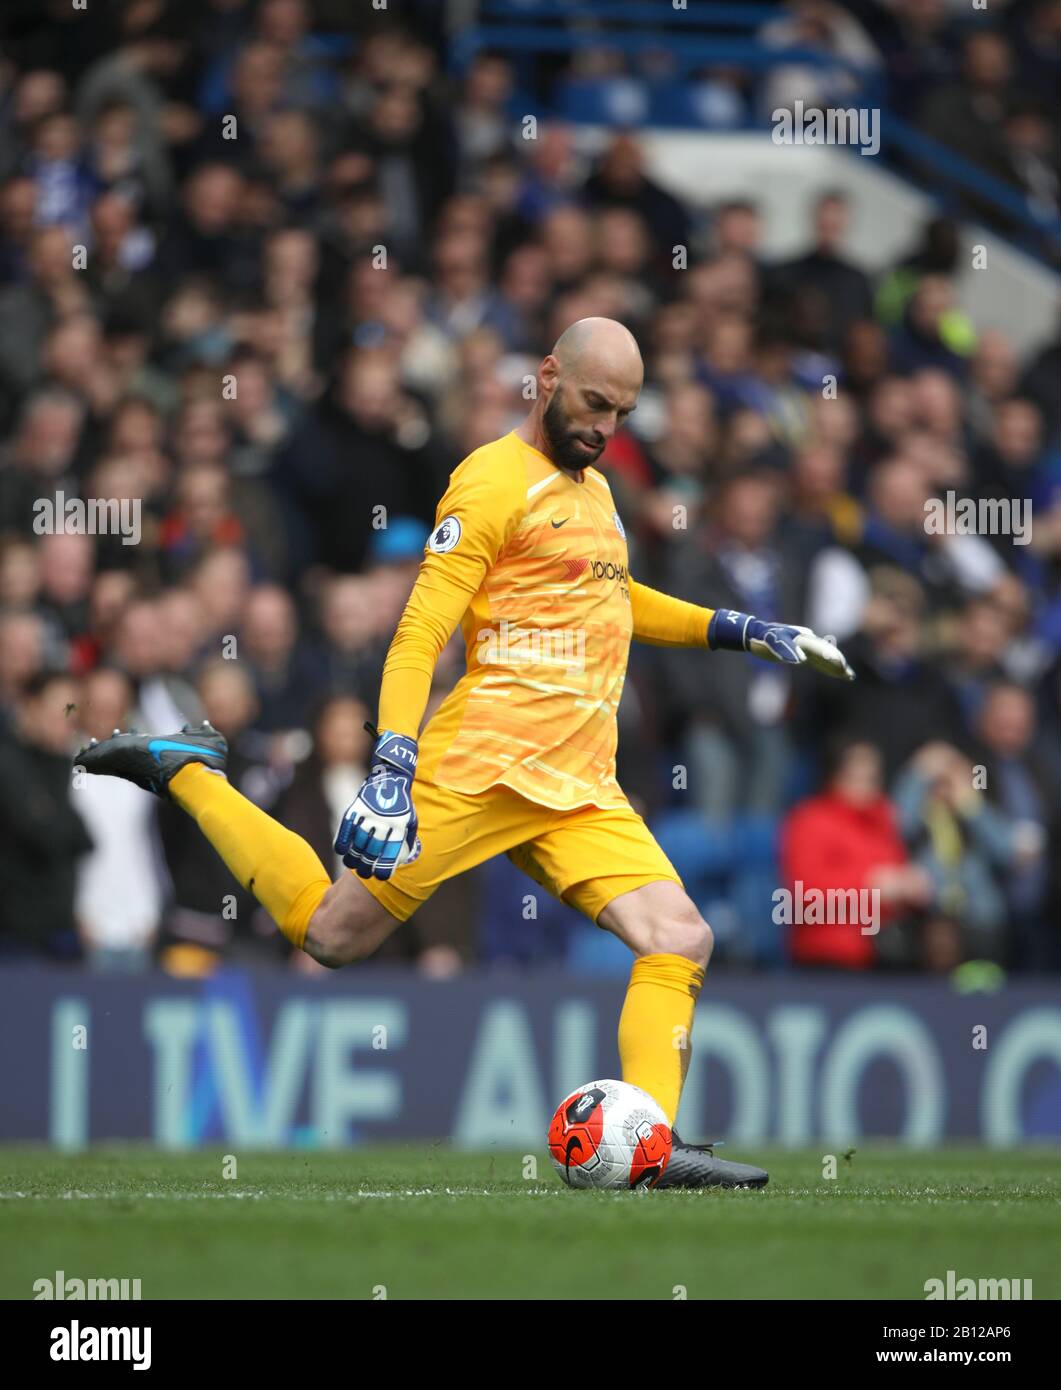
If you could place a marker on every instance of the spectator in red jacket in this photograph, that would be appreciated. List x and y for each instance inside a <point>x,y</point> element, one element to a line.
<point>846,838</point>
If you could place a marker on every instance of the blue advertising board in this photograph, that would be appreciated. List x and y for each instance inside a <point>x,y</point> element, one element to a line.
<point>273,1060</point>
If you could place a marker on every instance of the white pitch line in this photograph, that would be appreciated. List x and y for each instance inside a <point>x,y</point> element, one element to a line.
<point>259,1196</point>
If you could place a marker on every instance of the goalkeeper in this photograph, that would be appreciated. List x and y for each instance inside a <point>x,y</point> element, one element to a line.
<point>528,555</point>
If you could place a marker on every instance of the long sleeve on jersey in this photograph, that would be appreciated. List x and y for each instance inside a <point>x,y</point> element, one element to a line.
<point>663,621</point>
<point>486,503</point>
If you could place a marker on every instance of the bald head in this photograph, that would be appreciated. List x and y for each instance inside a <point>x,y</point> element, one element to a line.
<point>590,383</point>
<point>596,345</point>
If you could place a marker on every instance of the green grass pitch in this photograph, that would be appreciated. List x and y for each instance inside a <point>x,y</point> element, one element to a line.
<point>429,1222</point>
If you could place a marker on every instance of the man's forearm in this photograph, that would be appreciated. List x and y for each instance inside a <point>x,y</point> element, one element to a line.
<point>436,605</point>
<point>664,621</point>
<point>403,696</point>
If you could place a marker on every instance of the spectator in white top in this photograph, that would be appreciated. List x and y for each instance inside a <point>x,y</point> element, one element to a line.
<point>121,882</point>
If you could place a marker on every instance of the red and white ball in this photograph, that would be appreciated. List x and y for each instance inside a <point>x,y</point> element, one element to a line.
<point>610,1134</point>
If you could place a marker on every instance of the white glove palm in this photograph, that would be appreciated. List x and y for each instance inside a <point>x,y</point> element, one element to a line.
<point>823,654</point>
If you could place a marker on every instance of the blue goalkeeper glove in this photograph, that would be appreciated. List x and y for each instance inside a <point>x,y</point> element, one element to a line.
<point>378,831</point>
<point>783,642</point>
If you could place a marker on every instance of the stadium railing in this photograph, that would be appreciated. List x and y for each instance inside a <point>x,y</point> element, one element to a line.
<point>957,184</point>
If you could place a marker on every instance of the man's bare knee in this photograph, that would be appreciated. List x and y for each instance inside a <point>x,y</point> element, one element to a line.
<point>659,918</point>
<point>684,933</point>
<point>348,925</point>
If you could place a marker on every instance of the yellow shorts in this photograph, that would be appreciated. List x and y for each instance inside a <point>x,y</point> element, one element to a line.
<point>586,857</point>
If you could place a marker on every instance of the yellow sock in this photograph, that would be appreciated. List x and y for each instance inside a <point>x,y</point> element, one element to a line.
<point>269,860</point>
<point>656,1024</point>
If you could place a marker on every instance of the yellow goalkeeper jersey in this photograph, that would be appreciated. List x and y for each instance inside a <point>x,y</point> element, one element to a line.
<point>532,561</point>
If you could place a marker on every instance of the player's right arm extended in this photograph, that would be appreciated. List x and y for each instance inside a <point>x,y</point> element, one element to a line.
<point>443,590</point>
<point>474,521</point>
<point>479,512</point>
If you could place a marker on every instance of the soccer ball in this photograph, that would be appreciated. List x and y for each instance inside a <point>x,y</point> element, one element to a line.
<point>610,1134</point>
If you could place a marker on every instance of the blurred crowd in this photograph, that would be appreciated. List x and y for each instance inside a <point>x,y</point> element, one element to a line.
<point>979,81</point>
<point>282,334</point>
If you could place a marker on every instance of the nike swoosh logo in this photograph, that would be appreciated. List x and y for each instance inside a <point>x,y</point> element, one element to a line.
<point>557,524</point>
<point>574,1146</point>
